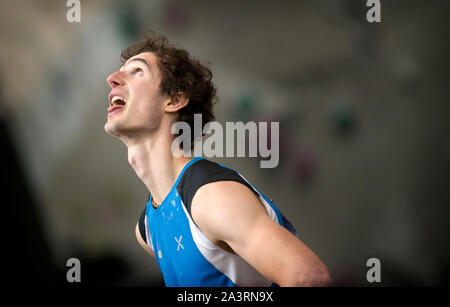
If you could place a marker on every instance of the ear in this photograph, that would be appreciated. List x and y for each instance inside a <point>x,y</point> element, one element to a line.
<point>176,102</point>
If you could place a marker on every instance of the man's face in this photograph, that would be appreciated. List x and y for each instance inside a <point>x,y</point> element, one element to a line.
<point>136,103</point>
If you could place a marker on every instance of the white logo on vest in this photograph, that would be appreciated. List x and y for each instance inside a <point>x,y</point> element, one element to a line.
<point>179,242</point>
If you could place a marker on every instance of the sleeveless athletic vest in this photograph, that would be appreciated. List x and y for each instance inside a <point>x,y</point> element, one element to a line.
<point>186,257</point>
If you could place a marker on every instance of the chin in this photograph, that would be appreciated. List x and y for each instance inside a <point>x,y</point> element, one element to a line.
<point>110,129</point>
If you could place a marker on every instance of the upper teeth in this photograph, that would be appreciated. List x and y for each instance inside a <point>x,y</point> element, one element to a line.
<point>116,98</point>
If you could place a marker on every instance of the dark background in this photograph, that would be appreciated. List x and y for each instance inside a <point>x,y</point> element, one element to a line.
<point>364,131</point>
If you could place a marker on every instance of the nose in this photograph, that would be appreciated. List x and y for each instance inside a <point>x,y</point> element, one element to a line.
<point>115,79</point>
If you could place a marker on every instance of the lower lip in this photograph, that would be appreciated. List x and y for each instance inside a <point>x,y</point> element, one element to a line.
<point>114,112</point>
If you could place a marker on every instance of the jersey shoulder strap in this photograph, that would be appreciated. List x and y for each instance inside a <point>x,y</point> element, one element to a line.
<point>203,172</point>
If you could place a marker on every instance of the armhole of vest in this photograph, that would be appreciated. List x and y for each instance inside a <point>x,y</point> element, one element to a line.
<point>190,183</point>
<point>141,225</point>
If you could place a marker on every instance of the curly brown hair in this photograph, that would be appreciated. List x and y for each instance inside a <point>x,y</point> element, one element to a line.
<point>181,74</point>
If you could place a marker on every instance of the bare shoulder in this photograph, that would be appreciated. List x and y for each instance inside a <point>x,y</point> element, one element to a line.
<point>223,197</point>
<point>220,207</point>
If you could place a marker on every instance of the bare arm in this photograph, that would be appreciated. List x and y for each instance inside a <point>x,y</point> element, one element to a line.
<point>142,242</point>
<point>228,211</point>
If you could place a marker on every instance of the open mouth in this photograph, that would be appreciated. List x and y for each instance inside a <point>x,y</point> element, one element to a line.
<point>116,103</point>
<point>117,100</point>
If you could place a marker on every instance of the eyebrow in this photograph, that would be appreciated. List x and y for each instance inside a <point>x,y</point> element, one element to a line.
<point>137,59</point>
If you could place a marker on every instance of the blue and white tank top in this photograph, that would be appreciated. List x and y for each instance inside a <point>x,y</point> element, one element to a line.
<point>186,257</point>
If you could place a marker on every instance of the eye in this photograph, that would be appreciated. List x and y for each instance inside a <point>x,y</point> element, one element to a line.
<point>138,70</point>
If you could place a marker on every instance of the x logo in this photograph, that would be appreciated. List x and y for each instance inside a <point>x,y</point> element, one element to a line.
<point>179,242</point>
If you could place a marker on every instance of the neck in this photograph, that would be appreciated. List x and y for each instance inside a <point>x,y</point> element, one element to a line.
<point>154,163</point>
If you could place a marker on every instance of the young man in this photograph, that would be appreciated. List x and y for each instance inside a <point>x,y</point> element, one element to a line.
<point>205,224</point>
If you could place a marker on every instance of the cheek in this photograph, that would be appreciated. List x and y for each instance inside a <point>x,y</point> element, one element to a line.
<point>149,103</point>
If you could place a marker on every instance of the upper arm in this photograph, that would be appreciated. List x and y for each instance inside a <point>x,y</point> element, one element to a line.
<point>142,242</point>
<point>139,235</point>
<point>230,212</point>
